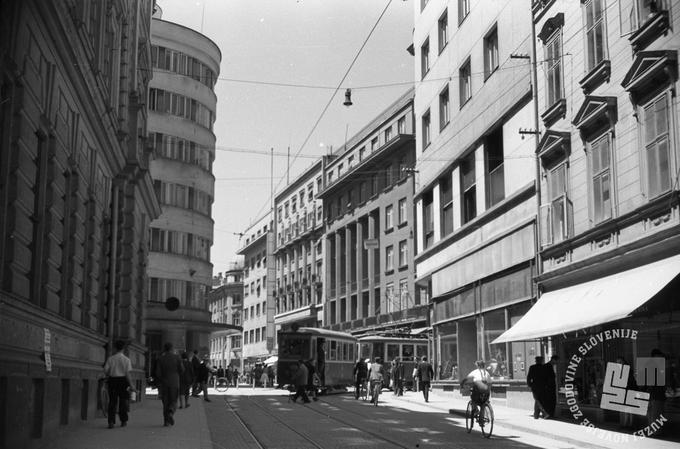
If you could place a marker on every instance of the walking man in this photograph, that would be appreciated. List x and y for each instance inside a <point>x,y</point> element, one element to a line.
<point>168,370</point>
<point>196,364</point>
<point>117,369</point>
<point>425,375</point>
<point>537,381</point>
<point>300,380</point>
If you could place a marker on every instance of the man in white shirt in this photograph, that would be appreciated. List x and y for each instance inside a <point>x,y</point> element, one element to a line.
<point>480,380</point>
<point>117,369</point>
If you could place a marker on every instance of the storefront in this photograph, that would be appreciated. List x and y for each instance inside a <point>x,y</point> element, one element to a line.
<point>622,318</point>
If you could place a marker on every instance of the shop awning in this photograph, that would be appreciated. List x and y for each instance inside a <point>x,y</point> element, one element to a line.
<point>271,360</point>
<point>420,330</point>
<point>594,302</point>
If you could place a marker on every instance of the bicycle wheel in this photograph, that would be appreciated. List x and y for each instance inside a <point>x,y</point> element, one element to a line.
<point>486,420</point>
<point>469,416</point>
<point>221,384</point>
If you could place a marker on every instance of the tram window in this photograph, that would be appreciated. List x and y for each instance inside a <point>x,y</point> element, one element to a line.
<point>294,348</point>
<point>334,350</point>
<point>351,352</point>
<point>392,352</point>
<point>341,352</point>
<point>421,350</point>
<point>407,353</point>
<point>365,350</point>
<point>378,351</point>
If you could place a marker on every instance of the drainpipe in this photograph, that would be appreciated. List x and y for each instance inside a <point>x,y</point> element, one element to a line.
<point>112,267</point>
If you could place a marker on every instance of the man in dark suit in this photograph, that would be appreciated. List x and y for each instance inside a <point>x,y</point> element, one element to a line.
<point>196,364</point>
<point>168,370</point>
<point>537,381</point>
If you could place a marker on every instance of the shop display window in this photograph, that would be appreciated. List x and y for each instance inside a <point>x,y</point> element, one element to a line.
<point>448,350</point>
<point>496,354</point>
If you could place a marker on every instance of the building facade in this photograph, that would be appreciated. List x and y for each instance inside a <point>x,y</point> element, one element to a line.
<point>299,252</point>
<point>75,204</point>
<point>225,302</point>
<point>259,308</point>
<point>609,161</point>
<point>475,181</point>
<point>182,106</point>
<point>369,233</point>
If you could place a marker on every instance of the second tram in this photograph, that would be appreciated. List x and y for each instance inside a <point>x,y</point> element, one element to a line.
<point>409,349</point>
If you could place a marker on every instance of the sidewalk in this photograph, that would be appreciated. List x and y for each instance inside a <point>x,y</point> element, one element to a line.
<point>522,420</point>
<point>144,430</point>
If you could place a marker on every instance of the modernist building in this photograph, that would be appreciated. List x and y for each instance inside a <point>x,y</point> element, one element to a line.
<point>225,302</point>
<point>76,199</point>
<point>259,337</point>
<point>369,233</point>
<point>609,161</point>
<point>299,252</point>
<point>182,106</point>
<point>475,181</point>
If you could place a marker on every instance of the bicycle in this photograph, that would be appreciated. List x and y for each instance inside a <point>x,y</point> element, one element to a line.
<point>376,388</point>
<point>221,384</point>
<point>484,417</point>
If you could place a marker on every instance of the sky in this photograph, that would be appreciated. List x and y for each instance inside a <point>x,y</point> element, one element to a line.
<point>308,46</point>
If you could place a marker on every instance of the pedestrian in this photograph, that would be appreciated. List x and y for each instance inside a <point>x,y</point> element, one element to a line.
<point>537,382</point>
<point>220,371</point>
<point>551,385</point>
<point>425,375</point>
<point>169,368</point>
<point>264,379</point>
<point>312,379</point>
<point>186,380</point>
<point>117,369</point>
<point>202,377</point>
<point>300,379</point>
<point>414,374</point>
<point>359,373</point>
<point>196,364</point>
<point>398,376</point>
<point>235,377</point>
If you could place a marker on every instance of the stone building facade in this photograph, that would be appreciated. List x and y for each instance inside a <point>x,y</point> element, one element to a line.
<point>76,200</point>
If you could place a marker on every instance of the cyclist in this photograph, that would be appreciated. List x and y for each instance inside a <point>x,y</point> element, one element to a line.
<point>360,373</point>
<point>375,376</point>
<point>480,380</point>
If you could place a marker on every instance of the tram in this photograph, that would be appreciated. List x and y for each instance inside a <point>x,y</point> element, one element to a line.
<point>332,353</point>
<point>409,349</point>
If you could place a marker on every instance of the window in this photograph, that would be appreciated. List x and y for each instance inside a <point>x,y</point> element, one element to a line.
<point>293,204</point>
<point>404,301</point>
<point>388,176</point>
<point>560,206</point>
<point>390,298</point>
<point>635,13</point>
<point>495,177</point>
<point>490,52</point>
<point>553,63</point>
<point>340,169</point>
<point>428,220</point>
<point>444,108</point>
<point>443,27</point>
<point>374,144</point>
<point>350,162</point>
<point>657,152</point>
<point>403,253</point>
<point>595,33</point>
<point>285,209</point>
<point>389,258</point>
<point>468,188</point>
<point>446,201</point>
<point>463,10</point>
<point>601,178</point>
<point>389,217</point>
<point>362,153</point>
<point>426,129</point>
<point>401,125</point>
<point>425,58</point>
<point>278,214</point>
<point>402,211</point>
<point>465,80</point>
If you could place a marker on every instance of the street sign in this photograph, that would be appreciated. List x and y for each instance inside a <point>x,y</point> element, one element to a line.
<point>371,244</point>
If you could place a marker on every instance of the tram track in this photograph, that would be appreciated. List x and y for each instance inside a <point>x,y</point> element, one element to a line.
<point>305,436</point>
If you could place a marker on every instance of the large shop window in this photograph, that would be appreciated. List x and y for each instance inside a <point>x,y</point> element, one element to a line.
<point>448,351</point>
<point>496,354</point>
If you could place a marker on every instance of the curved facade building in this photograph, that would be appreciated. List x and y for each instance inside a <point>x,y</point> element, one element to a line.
<point>182,107</point>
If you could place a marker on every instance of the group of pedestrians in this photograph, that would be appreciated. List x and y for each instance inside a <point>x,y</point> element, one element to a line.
<point>367,375</point>
<point>305,379</point>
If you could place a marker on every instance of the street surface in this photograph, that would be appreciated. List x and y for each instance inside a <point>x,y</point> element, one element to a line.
<point>261,418</point>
